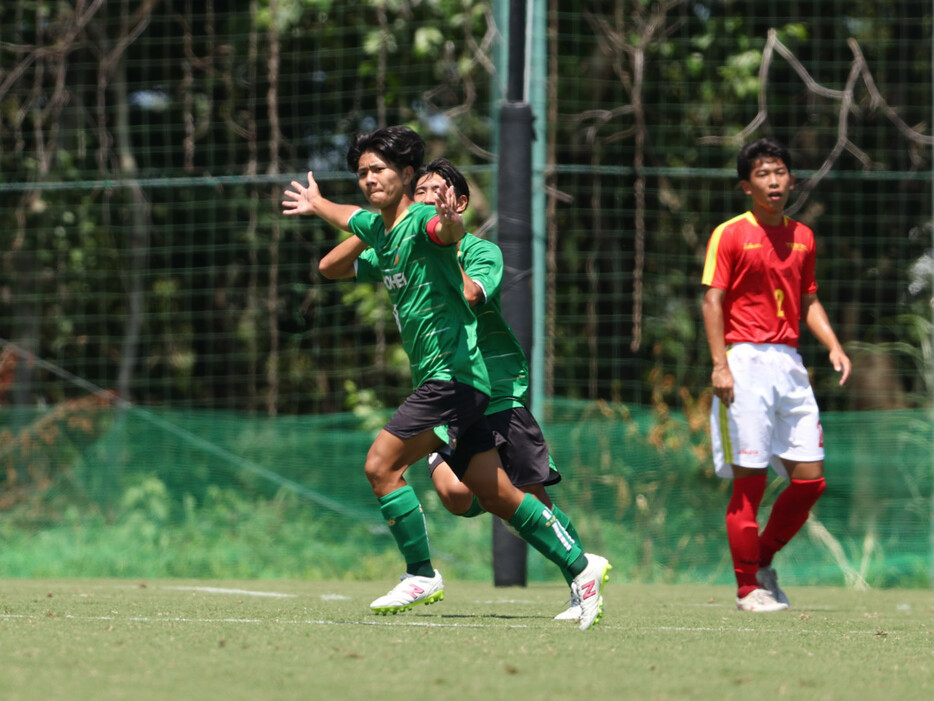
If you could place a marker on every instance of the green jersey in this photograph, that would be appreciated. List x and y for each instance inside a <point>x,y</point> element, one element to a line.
<point>505,361</point>
<point>423,278</point>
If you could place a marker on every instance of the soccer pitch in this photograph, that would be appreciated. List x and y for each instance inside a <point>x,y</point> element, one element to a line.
<point>184,639</point>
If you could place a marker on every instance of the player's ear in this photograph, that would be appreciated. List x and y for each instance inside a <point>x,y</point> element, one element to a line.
<point>745,186</point>
<point>407,174</point>
<point>462,203</point>
<point>791,184</point>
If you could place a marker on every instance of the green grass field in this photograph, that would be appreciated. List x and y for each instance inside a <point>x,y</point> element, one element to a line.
<point>184,639</point>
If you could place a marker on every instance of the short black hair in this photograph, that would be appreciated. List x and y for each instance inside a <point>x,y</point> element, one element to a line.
<point>761,148</point>
<point>448,172</point>
<point>399,145</point>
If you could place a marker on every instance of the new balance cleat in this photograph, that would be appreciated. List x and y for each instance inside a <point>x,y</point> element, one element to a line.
<point>760,601</point>
<point>768,579</point>
<point>588,587</point>
<point>410,591</point>
<point>573,611</point>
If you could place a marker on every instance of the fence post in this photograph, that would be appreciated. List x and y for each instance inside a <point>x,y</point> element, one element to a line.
<point>514,217</point>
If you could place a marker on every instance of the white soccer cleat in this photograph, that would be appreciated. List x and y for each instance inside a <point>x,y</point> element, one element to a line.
<point>573,611</point>
<point>408,592</point>
<point>588,586</point>
<point>768,579</point>
<point>760,601</point>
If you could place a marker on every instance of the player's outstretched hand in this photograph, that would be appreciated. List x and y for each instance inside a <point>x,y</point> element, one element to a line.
<point>301,199</point>
<point>452,223</point>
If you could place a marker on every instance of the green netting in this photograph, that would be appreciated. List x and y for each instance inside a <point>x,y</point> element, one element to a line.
<point>210,493</point>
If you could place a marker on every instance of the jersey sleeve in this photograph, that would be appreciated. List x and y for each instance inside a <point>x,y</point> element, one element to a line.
<point>367,267</point>
<point>808,278</point>
<point>428,221</point>
<point>482,261</point>
<point>363,224</point>
<point>718,263</point>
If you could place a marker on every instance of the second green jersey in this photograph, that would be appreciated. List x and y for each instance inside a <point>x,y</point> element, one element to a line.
<point>423,278</point>
<point>505,360</point>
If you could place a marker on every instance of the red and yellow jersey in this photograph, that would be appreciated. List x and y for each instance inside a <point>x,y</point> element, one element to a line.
<point>764,271</point>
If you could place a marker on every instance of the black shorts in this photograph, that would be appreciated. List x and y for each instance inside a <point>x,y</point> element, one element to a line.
<point>522,448</point>
<point>455,411</point>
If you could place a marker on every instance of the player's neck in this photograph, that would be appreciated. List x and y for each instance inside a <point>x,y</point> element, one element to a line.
<point>768,217</point>
<point>394,212</point>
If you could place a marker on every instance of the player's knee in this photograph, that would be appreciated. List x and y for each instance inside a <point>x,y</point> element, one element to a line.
<point>376,469</point>
<point>457,503</point>
<point>455,496</point>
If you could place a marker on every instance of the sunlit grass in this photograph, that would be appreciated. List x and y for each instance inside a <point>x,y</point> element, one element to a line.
<point>277,639</point>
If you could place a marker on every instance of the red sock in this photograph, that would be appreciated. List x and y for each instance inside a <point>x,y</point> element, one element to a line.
<point>742,530</point>
<point>789,513</point>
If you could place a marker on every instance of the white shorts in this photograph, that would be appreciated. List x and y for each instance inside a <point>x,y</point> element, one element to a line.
<point>773,415</point>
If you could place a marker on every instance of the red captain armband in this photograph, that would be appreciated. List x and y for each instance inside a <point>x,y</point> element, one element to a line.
<point>432,227</point>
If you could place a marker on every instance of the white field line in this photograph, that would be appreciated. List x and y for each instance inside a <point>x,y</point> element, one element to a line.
<point>244,592</point>
<point>177,619</point>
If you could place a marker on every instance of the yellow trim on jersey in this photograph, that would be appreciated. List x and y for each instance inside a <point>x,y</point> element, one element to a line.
<point>725,442</point>
<point>402,218</point>
<point>710,263</point>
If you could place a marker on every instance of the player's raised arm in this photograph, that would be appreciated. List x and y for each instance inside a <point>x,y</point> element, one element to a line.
<point>307,200</point>
<point>451,225</point>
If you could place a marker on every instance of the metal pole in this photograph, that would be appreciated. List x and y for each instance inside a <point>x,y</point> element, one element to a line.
<point>514,205</point>
<point>931,412</point>
<point>538,99</point>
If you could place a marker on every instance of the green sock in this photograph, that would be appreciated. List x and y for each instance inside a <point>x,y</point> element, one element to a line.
<point>539,528</point>
<point>474,510</point>
<point>569,527</point>
<point>406,521</point>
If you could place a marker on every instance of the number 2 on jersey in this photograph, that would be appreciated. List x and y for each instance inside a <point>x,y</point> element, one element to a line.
<point>779,299</point>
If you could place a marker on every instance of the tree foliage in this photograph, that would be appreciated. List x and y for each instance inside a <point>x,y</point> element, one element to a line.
<point>643,151</point>
<point>144,147</point>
